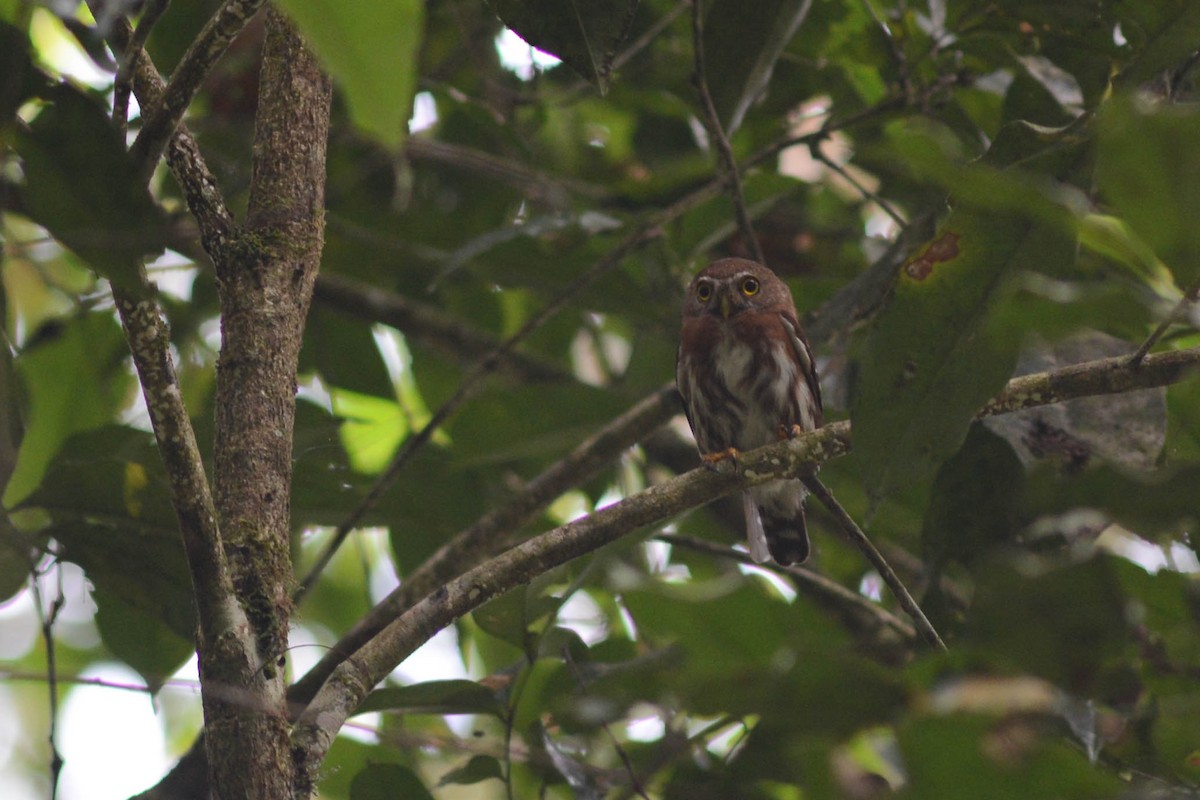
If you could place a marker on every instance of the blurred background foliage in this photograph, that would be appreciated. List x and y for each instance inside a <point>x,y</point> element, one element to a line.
<point>1036,163</point>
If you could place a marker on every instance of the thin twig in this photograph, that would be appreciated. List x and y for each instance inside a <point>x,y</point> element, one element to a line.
<point>856,535</point>
<point>199,185</point>
<point>47,618</point>
<point>622,754</point>
<point>806,580</point>
<point>1177,313</point>
<point>847,176</point>
<point>719,140</point>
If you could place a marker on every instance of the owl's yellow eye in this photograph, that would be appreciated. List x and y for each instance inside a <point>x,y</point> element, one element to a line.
<point>704,291</point>
<point>750,287</point>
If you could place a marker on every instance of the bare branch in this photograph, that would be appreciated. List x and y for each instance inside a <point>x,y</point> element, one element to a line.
<point>864,544</point>
<point>149,342</point>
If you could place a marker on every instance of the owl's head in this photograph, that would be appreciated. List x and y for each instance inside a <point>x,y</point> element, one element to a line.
<point>732,286</point>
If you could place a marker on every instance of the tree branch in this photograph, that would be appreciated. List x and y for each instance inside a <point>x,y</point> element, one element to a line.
<point>206,49</point>
<point>199,185</point>
<point>857,611</point>
<point>358,674</point>
<point>482,539</point>
<point>265,280</point>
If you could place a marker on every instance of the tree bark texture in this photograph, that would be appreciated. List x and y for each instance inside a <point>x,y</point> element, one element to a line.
<point>265,280</point>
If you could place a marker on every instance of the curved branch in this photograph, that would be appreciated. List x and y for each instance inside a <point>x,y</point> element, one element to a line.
<point>487,535</point>
<point>358,674</point>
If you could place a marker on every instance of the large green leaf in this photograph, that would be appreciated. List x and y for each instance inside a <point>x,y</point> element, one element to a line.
<point>371,51</point>
<point>1067,624</point>
<point>585,34</point>
<point>107,497</point>
<point>974,500</point>
<point>388,782</point>
<point>142,641</point>
<point>1149,170</point>
<point>76,380</point>
<point>82,186</point>
<point>932,359</point>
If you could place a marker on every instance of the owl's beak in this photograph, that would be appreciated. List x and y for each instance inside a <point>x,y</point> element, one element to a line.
<point>726,305</point>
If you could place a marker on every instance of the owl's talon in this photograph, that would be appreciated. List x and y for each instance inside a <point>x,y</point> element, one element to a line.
<point>712,460</point>
<point>795,431</point>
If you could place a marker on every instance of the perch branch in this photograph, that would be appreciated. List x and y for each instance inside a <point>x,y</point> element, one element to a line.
<point>359,673</point>
<point>485,537</point>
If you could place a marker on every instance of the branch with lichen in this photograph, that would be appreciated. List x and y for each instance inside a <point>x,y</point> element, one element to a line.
<point>799,457</point>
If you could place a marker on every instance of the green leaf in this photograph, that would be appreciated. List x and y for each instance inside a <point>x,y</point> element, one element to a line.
<point>1064,624</point>
<point>1148,171</point>
<point>107,497</point>
<point>373,429</point>
<point>477,770</point>
<point>932,360</point>
<point>1161,35</point>
<point>1112,238</point>
<point>83,187</point>
<point>585,34</point>
<point>388,782</point>
<point>371,51</point>
<point>14,560</point>
<point>434,697</point>
<point>510,616</point>
<point>973,506</point>
<point>139,639</point>
<point>741,50</point>
<point>969,756</point>
<point>344,352</point>
<point>76,380</point>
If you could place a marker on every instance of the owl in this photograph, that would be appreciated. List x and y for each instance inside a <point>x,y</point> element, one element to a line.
<point>747,378</point>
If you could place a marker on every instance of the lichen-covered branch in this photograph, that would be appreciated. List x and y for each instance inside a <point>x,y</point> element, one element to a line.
<point>187,165</point>
<point>491,532</point>
<point>265,279</point>
<point>362,670</point>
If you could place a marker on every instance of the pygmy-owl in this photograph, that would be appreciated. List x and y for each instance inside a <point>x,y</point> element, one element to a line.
<point>747,378</point>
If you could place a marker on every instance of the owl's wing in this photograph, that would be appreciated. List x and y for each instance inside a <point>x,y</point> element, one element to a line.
<point>804,357</point>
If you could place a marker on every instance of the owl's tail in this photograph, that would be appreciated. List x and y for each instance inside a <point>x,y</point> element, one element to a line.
<point>783,539</point>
